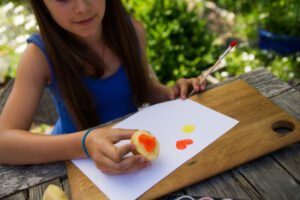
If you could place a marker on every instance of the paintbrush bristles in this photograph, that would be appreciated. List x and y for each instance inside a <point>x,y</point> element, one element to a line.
<point>233,43</point>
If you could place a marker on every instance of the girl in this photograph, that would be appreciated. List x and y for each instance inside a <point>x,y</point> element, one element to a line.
<point>92,57</point>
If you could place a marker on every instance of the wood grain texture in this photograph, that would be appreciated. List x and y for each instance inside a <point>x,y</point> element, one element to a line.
<point>289,160</point>
<point>251,138</point>
<point>229,184</point>
<point>80,186</point>
<point>283,185</point>
<point>18,196</point>
<point>36,192</point>
<point>266,83</point>
<point>16,178</point>
<point>66,186</point>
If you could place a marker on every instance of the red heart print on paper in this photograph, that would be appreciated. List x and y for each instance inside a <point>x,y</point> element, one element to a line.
<point>182,144</point>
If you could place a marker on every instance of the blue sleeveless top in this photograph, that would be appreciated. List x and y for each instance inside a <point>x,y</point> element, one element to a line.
<point>112,95</point>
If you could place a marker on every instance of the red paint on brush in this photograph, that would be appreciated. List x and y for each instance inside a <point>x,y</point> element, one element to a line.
<point>233,43</point>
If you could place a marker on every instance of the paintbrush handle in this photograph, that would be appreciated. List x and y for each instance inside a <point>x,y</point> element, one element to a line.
<point>210,70</point>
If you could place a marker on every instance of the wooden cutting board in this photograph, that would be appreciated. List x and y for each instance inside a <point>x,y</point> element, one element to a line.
<point>254,136</point>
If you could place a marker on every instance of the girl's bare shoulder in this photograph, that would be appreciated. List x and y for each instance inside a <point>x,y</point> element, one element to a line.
<point>140,31</point>
<point>139,27</point>
<point>33,62</point>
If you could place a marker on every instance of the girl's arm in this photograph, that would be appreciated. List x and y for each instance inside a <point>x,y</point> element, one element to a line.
<point>160,92</point>
<point>19,146</point>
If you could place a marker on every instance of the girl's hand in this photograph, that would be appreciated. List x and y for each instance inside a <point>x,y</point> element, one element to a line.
<point>184,86</point>
<point>110,158</point>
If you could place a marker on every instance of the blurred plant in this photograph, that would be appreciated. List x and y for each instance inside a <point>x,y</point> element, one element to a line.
<point>41,128</point>
<point>4,2</point>
<point>16,24</point>
<point>246,25</point>
<point>286,67</point>
<point>178,44</point>
<point>276,16</point>
<point>245,59</point>
<point>280,16</point>
<point>241,6</point>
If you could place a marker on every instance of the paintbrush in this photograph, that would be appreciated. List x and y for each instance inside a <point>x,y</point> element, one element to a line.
<point>211,69</point>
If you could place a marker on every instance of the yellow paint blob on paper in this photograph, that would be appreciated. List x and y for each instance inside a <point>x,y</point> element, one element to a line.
<point>188,128</point>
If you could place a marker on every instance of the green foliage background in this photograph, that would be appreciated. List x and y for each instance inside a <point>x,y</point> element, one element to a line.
<point>178,43</point>
<point>276,16</point>
<point>16,24</point>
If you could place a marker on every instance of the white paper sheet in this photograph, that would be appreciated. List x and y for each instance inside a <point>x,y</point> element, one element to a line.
<point>165,121</point>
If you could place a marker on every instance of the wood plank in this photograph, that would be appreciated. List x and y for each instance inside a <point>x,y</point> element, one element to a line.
<point>233,184</point>
<point>251,138</point>
<point>289,159</point>
<point>173,195</point>
<point>36,192</point>
<point>270,179</point>
<point>230,184</point>
<point>289,101</point>
<point>297,86</point>
<point>80,185</point>
<point>17,178</point>
<point>18,196</point>
<point>66,186</point>
<point>262,80</point>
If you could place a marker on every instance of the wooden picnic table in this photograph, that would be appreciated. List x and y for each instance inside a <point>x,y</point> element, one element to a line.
<point>273,176</point>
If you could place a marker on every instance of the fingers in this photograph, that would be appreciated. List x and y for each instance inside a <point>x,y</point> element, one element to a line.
<point>195,83</point>
<point>183,86</point>
<point>126,165</point>
<point>111,159</point>
<point>114,136</point>
<point>201,83</point>
<point>173,93</point>
<point>133,166</point>
<point>116,154</point>
<point>117,134</point>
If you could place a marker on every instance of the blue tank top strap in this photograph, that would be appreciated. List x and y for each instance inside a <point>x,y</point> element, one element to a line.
<point>38,41</point>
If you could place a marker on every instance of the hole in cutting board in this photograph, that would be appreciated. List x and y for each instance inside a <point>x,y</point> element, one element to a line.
<point>283,127</point>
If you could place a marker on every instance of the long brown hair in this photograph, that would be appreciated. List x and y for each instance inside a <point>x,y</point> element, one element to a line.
<point>68,55</point>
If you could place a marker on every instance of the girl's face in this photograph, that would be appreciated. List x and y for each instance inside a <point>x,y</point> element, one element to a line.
<point>80,17</point>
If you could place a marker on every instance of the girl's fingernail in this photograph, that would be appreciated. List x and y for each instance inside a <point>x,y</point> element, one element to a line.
<point>141,159</point>
<point>148,164</point>
<point>132,147</point>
